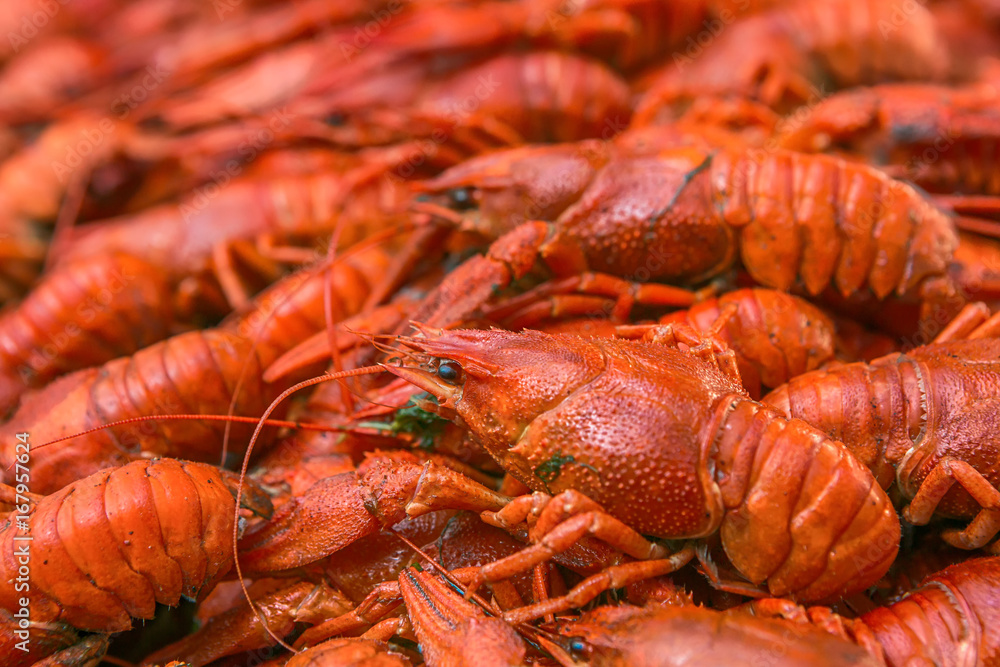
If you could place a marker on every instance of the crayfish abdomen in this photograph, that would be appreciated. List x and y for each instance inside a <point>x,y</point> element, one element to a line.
<point>801,511</point>
<point>924,419</point>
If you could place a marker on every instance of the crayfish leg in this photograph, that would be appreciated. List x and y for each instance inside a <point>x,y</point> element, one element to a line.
<point>938,482</point>
<point>559,307</point>
<point>988,329</point>
<point>383,600</point>
<point>616,576</point>
<point>556,525</point>
<point>242,271</point>
<point>711,571</point>
<point>509,258</point>
<point>969,319</point>
<point>370,616</point>
<point>706,346</point>
<point>623,293</point>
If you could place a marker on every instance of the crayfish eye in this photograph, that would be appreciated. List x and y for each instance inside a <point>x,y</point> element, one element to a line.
<point>578,647</point>
<point>449,371</point>
<point>461,198</point>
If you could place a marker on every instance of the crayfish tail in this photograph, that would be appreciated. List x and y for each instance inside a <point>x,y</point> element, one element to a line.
<point>802,512</point>
<point>949,619</point>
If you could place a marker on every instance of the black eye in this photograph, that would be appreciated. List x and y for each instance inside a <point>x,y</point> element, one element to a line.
<point>449,371</point>
<point>461,198</point>
<point>336,119</point>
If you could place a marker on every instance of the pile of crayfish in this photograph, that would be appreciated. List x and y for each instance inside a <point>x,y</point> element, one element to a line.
<point>510,332</point>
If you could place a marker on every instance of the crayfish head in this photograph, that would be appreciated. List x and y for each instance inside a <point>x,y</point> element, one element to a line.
<point>491,194</point>
<point>497,382</point>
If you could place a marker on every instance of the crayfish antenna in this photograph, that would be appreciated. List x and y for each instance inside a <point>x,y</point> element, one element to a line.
<point>976,225</point>
<point>233,419</point>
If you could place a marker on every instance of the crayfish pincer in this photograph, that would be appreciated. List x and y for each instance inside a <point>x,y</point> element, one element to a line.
<point>662,436</point>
